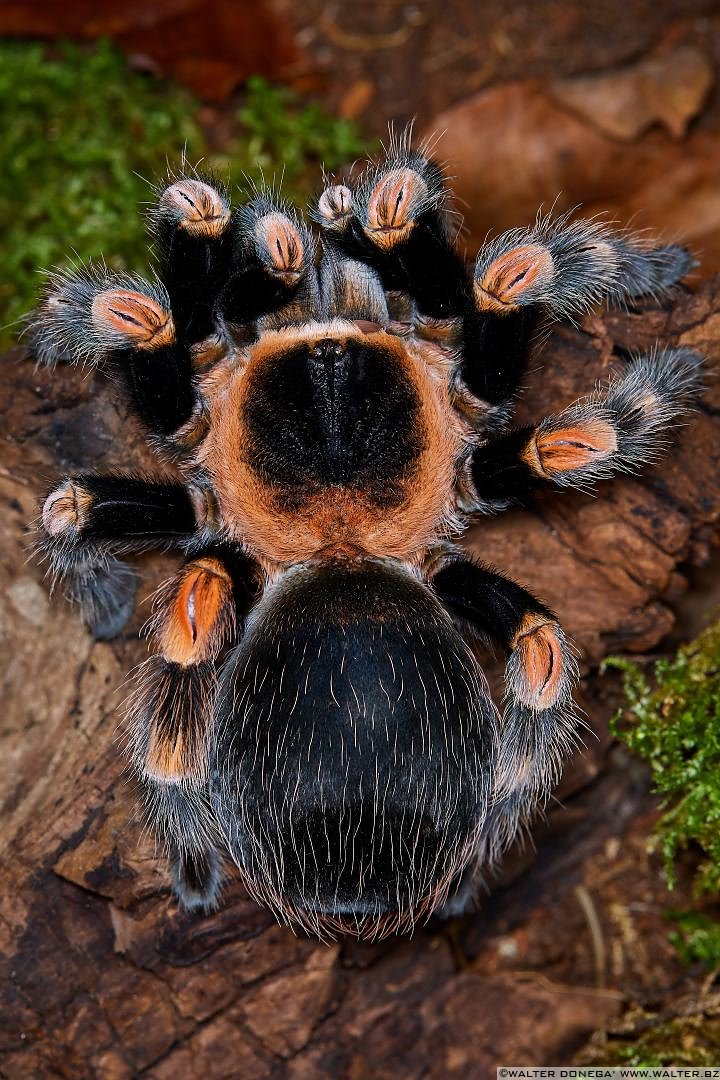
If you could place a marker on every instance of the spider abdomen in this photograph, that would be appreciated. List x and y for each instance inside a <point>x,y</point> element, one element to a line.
<point>355,671</point>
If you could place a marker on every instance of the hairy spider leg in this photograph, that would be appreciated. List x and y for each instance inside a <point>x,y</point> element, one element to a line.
<point>124,326</point>
<point>229,274</point>
<point>396,219</point>
<point>192,224</point>
<point>619,428</point>
<point>241,266</point>
<point>524,279</point>
<point>539,727</point>
<point>273,279</point>
<point>89,519</point>
<point>171,712</point>
<point>157,337</point>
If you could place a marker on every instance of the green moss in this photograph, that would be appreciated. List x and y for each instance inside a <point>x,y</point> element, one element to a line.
<point>74,132</point>
<point>675,726</point>
<point>81,135</point>
<point>697,938</point>
<point>673,722</point>
<point>637,1057</point>
<point>283,136</point>
<point>689,1039</point>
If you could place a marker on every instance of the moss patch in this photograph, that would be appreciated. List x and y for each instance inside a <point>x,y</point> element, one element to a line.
<point>281,136</point>
<point>674,724</point>
<point>697,938</point>
<point>74,131</point>
<point>689,1036</point>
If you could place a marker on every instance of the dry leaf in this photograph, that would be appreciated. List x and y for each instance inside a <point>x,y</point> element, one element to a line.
<point>669,90</point>
<point>513,147</point>
<point>210,45</point>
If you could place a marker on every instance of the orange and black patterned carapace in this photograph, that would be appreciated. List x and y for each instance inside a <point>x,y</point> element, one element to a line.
<point>331,439</point>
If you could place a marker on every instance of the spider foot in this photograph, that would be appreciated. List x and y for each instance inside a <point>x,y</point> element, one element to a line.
<point>537,676</point>
<point>396,196</point>
<point>335,208</point>
<point>275,239</point>
<point>505,282</point>
<point>567,267</point>
<point>194,206</point>
<point>622,427</point>
<point>197,879</point>
<point>89,315</point>
<point>619,428</point>
<point>565,446</point>
<point>540,723</point>
<point>65,509</point>
<point>274,276</point>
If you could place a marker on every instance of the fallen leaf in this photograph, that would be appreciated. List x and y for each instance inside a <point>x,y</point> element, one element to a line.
<point>669,90</point>
<point>209,45</point>
<point>513,148</point>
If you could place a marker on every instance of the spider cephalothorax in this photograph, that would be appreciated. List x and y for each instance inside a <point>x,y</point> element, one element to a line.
<point>338,408</point>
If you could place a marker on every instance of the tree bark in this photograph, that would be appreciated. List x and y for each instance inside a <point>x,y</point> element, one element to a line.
<point>104,977</point>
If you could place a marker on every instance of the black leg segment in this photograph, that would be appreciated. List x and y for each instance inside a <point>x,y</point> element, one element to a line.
<point>492,604</point>
<point>191,223</point>
<point>88,519</point>
<point>125,509</point>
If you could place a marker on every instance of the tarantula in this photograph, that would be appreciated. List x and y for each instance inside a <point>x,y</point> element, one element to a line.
<point>338,407</point>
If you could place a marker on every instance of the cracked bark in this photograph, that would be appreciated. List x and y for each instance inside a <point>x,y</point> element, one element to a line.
<point>105,978</point>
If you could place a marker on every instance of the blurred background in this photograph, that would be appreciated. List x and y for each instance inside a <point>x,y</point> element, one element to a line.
<point>603,945</point>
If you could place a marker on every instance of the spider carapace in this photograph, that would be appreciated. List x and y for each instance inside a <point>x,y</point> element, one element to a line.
<point>336,402</point>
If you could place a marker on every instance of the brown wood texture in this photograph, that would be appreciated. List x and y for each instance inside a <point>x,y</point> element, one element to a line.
<point>103,977</point>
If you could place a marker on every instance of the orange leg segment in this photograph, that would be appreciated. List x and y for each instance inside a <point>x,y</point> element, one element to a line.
<point>172,711</point>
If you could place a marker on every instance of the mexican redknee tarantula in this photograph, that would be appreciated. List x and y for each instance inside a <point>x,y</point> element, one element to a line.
<point>338,409</point>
